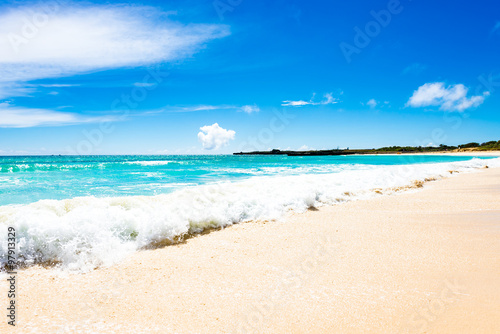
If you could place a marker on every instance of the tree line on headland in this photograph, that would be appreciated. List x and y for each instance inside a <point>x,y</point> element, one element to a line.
<point>487,146</point>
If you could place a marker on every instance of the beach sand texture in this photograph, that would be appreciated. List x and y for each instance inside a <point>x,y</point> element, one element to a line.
<point>422,261</point>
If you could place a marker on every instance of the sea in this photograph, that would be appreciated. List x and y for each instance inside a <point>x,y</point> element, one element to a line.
<point>78,213</point>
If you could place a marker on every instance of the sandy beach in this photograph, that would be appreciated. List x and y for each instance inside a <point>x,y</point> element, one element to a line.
<point>424,261</point>
<point>249,167</point>
<point>452,153</point>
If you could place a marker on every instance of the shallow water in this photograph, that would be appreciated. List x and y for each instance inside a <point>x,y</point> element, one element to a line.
<point>84,212</point>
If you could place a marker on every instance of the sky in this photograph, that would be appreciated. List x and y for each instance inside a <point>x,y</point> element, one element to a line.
<point>223,76</point>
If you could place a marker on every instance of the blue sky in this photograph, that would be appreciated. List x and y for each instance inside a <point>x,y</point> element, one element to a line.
<point>213,77</point>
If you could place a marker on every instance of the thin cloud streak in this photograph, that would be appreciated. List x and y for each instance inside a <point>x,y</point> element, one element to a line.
<point>328,99</point>
<point>18,117</point>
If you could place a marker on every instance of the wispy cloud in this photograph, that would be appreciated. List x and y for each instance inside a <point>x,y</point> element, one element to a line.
<point>299,103</point>
<point>55,85</point>
<point>250,109</point>
<point>372,103</point>
<point>8,90</point>
<point>144,84</point>
<point>496,28</point>
<point>13,90</point>
<point>415,68</point>
<point>328,99</point>
<point>204,108</point>
<point>451,98</point>
<point>79,39</point>
<point>207,107</point>
<point>17,117</point>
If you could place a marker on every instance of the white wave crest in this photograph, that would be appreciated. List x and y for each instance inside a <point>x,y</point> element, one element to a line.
<point>86,232</point>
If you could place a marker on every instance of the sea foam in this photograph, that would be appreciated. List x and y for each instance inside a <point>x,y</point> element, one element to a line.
<point>87,232</point>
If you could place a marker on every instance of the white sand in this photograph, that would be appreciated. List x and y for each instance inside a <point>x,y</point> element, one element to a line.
<point>424,261</point>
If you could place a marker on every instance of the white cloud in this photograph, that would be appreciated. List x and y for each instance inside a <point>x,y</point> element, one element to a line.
<point>451,98</point>
<point>305,148</point>
<point>214,137</point>
<point>203,108</point>
<point>299,103</point>
<point>54,85</point>
<point>144,84</point>
<point>12,90</point>
<point>23,89</point>
<point>328,99</point>
<point>206,107</point>
<point>76,39</point>
<point>372,103</point>
<point>16,117</point>
<point>250,109</point>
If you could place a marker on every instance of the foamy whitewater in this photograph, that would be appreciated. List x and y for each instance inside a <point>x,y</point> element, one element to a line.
<point>84,212</point>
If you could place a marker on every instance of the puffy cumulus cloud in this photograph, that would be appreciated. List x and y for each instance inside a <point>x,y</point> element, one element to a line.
<point>250,109</point>
<point>214,137</point>
<point>328,99</point>
<point>17,117</point>
<point>38,41</point>
<point>451,98</point>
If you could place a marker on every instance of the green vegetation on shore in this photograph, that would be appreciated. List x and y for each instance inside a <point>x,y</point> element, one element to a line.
<point>487,146</point>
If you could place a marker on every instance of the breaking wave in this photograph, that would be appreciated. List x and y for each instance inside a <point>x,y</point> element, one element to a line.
<point>87,232</point>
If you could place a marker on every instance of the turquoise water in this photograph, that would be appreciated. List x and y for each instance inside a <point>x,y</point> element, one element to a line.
<point>83,212</point>
<point>29,179</point>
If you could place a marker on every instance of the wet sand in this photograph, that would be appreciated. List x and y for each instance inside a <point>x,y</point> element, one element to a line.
<point>420,261</point>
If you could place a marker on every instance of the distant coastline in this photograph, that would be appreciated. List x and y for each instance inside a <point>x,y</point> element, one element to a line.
<point>469,147</point>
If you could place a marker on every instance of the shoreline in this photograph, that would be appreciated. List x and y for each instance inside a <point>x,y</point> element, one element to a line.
<point>465,154</point>
<point>492,153</point>
<point>363,265</point>
<point>360,152</point>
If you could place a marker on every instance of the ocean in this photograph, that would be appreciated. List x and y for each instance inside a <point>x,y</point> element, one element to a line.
<point>82,212</point>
